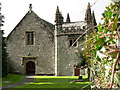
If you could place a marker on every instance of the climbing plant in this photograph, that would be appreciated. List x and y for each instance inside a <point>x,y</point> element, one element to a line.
<point>102,50</point>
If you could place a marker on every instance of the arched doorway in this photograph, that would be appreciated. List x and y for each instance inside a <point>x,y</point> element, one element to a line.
<point>30,68</point>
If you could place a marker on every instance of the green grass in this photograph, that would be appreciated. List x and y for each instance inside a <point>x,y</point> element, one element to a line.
<point>13,78</point>
<point>55,82</point>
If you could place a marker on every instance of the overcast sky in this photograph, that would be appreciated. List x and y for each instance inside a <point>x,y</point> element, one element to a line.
<point>14,10</point>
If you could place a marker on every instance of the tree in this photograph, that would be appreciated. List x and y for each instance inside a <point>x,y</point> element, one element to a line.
<point>4,53</point>
<point>102,51</point>
<point>4,58</point>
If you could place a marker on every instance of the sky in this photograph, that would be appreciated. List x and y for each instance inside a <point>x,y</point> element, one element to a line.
<point>15,10</point>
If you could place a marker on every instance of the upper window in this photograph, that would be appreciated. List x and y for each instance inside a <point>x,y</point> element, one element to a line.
<point>29,38</point>
<point>71,43</point>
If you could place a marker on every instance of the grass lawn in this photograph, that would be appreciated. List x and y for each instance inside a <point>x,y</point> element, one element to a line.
<point>10,79</point>
<point>55,82</point>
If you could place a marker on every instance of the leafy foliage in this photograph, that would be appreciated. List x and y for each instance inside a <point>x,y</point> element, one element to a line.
<point>4,53</point>
<point>4,58</point>
<point>101,49</point>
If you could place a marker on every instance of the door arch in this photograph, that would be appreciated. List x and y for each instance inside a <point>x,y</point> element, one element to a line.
<point>30,68</point>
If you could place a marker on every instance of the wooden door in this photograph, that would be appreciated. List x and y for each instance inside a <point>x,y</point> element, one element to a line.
<point>30,68</point>
<point>77,71</point>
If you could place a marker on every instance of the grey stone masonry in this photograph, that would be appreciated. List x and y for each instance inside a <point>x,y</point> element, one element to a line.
<point>36,46</point>
<point>65,58</point>
<point>42,49</point>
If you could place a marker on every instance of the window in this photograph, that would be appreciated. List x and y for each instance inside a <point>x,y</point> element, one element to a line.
<point>71,42</point>
<point>29,38</point>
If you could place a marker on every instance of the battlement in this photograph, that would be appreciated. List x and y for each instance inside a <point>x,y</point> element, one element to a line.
<point>73,28</point>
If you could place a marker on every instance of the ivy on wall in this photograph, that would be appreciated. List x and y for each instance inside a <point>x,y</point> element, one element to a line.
<point>102,50</point>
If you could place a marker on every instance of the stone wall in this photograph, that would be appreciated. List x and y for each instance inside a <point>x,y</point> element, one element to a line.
<point>43,48</point>
<point>51,53</point>
<point>66,57</point>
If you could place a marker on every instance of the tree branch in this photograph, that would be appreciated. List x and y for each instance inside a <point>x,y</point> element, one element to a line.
<point>113,70</point>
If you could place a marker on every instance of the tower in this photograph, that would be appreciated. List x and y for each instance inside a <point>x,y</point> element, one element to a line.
<point>64,58</point>
<point>58,27</point>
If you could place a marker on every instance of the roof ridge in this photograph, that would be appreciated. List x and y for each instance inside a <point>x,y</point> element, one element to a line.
<point>45,22</point>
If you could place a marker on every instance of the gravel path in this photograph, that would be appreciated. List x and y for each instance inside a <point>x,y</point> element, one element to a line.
<point>26,80</point>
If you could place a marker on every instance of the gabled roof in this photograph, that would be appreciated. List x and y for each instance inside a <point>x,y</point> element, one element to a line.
<point>50,25</point>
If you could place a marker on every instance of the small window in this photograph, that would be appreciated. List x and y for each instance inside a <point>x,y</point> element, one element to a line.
<point>29,38</point>
<point>75,43</point>
<point>71,42</point>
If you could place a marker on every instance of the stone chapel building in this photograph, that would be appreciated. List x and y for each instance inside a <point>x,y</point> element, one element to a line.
<point>36,46</point>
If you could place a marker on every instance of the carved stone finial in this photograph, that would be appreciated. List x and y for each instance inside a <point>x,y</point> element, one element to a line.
<point>93,19</point>
<point>68,18</point>
<point>88,14</point>
<point>30,8</point>
<point>58,17</point>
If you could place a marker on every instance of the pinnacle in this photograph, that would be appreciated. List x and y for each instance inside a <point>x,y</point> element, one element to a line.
<point>30,8</point>
<point>68,18</point>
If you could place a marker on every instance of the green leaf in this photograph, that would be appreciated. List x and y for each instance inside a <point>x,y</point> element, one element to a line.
<point>113,54</point>
<point>117,80</point>
<point>109,14</point>
<point>115,25</point>
<point>100,41</point>
<point>100,28</point>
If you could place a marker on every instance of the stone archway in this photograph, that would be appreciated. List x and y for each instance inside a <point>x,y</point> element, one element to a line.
<point>30,68</point>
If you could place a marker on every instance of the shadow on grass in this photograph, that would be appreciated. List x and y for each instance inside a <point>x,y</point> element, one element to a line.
<point>54,82</point>
<point>12,78</point>
<point>76,86</point>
